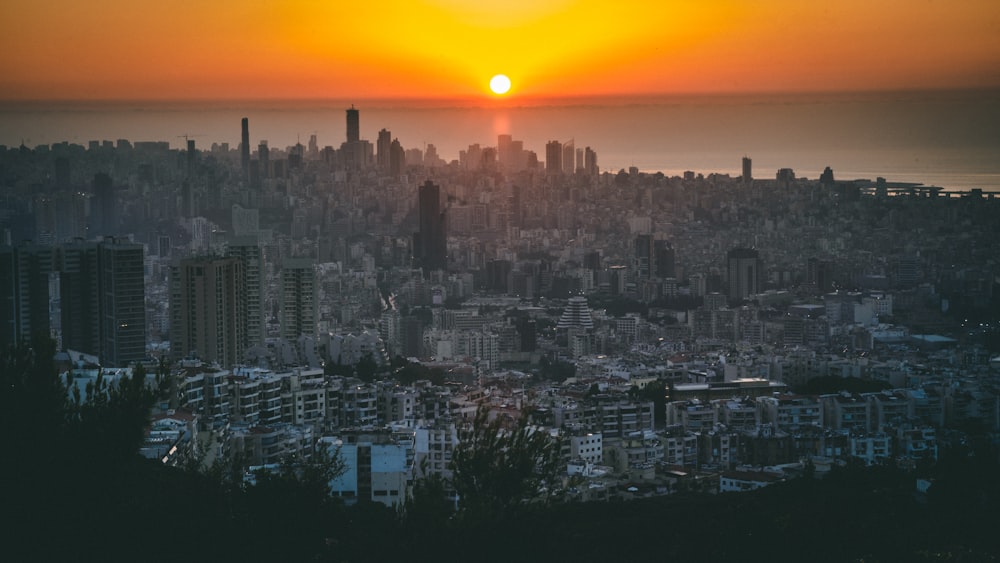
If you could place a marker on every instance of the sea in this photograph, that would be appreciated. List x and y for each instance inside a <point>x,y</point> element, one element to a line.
<point>949,139</point>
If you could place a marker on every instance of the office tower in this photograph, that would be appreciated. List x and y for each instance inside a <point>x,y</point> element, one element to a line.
<point>353,126</point>
<point>568,158</point>
<point>579,161</point>
<point>190,157</point>
<point>123,303</point>
<point>430,244</point>
<point>397,158</point>
<point>590,161</point>
<point>553,157</point>
<point>383,147</point>
<point>664,259</point>
<point>24,282</point>
<point>79,278</point>
<point>245,149</point>
<point>248,250</point>
<point>298,298</point>
<point>208,310</point>
<point>104,205</point>
<point>826,178</point>
<point>747,170</point>
<point>504,152</point>
<point>313,147</point>
<point>264,156</point>
<point>644,257</point>
<point>743,266</point>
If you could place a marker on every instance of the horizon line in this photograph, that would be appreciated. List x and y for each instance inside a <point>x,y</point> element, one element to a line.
<point>517,101</point>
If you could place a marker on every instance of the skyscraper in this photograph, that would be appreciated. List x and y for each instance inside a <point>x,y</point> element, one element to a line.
<point>208,309</point>
<point>79,277</point>
<point>383,148</point>
<point>504,152</point>
<point>743,266</point>
<point>747,170</point>
<point>24,302</point>
<point>103,299</point>
<point>123,303</point>
<point>644,257</point>
<point>553,157</point>
<point>353,125</point>
<point>397,158</point>
<point>264,156</point>
<point>298,298</point>
<point>248,250</point>
<point>245,149</point>
<point>590,161</point>
<point>568,158</point>
<point>665,259</point>
<point>430,244</point>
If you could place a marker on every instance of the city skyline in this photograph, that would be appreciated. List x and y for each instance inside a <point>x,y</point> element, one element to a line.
<point>445,49</point>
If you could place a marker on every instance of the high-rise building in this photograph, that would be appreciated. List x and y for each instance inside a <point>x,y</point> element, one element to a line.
<point>79,277</point>
<point>123,302</point>
<point>553,157</point>
<point>590,162</point>
<point>664,259</point>
<point>504,156</point>
<point>298,298</point>
<point>191,155</point>
<point>353,125</point>
<point>264,156</point>
<point>747,170</point>
<point>430,244</point>
<point>568,158</point>
<point>644,257</point>
<point>248,250</point>
<point>744,268</point>
<point>397,158</point>
<point>383,148</point>
<point>103,300</point>
<point>208,309</point>
<point>245,149</point>
<point>24,292</point>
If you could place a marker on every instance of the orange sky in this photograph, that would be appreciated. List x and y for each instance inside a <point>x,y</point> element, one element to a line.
<point>226,49</point>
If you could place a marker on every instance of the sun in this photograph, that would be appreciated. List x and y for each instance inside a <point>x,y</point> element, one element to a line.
<point>500,84</point>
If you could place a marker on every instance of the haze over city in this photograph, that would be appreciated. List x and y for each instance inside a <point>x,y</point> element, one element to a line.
<point>437,280</point>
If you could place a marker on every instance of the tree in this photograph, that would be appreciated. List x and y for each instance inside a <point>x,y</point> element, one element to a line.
<point>366,368</point>
<point>497,466</point>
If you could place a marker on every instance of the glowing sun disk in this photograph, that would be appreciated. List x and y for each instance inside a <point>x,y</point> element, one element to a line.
<point>500,84</point>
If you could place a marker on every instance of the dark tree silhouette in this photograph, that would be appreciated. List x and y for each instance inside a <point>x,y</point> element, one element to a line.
<point>502,464</point>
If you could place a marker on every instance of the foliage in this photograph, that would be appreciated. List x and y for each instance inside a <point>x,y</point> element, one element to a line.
<point>556,370</point>
<point>497,466</point>
<point>407,372</point>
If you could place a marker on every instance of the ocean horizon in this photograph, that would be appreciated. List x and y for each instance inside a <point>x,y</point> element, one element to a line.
<point>949,139</point>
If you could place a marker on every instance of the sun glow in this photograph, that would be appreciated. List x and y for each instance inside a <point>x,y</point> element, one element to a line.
<point>500,84</point>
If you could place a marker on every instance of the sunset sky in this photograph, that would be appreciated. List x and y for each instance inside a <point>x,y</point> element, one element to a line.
<point>259,49</point>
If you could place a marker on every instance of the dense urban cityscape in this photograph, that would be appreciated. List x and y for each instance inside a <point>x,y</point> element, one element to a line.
<point>379,304</point>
